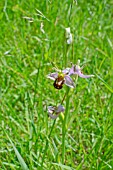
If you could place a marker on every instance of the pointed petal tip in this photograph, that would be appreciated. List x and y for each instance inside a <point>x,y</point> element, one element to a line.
<point>52,76</point>
<point>80,74</point>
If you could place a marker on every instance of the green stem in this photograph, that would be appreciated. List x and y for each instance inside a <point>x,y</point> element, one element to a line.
<point>64,126</point>
<point>64,98</point>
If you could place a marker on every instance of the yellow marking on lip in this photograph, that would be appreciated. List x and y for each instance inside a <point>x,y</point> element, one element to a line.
<point>61,75</point>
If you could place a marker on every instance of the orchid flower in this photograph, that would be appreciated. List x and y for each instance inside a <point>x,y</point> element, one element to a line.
<point>61,78</point>
<point>77,70</point>
<point>55,110</point>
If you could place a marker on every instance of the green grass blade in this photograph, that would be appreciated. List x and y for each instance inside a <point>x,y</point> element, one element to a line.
<point>20,159</point>
<point>106,85</point>
<point>63,166</point>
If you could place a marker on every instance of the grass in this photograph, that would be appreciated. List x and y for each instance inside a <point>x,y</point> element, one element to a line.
<point>29,139</point>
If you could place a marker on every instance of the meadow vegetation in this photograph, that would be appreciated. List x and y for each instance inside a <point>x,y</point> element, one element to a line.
<point>32,43</point>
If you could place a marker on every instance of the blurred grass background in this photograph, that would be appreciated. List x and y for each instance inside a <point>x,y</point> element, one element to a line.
<point>26,56</point>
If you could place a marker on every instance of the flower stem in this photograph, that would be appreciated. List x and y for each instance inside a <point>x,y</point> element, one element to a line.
<point>64,125</point>
<point>64,98</point>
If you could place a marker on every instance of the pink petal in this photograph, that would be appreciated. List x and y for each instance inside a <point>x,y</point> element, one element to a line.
<point>84,76</point>
<point>66,71</point>
<point>55,110</point>
<point>51,109</point>
<point>53,116</point>
<point>60,109</point>
<point>77,70</point>
<point>72,70</point>
<point>69,82</point>
<point>52,76</point>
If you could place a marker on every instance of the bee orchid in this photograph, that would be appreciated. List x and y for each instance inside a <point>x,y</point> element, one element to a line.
<point>75,69</point>
<point>61,78</point>
<point>54,111</point>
